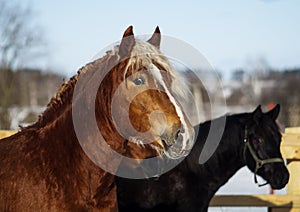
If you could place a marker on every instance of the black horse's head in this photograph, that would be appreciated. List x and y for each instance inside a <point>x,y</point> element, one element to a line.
<point>262,148</point>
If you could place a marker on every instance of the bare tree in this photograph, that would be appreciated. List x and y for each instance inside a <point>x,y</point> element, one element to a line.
<point>20,39</point>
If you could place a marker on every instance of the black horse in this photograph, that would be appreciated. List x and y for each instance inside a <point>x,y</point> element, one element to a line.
<point>251,139</point>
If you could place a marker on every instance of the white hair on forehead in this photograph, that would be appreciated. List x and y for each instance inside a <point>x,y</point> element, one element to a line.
<point>143,55</point>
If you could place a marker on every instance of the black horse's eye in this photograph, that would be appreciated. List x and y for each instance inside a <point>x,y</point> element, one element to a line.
<point>258,139</point>
<point>139,81</point>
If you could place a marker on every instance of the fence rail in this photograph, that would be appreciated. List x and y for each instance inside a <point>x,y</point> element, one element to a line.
<point>6,133</point>
<point>290,149</point>
<point>260,200</point>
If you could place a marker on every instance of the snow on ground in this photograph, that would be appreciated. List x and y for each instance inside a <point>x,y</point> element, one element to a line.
<point>243,183</point>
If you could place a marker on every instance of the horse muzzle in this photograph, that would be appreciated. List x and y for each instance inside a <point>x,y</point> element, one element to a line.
<point>178,143</point>
<point>279,177</point>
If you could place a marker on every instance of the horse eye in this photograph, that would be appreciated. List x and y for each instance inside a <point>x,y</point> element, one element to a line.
<point>260,140</point>
<point>139,81</point>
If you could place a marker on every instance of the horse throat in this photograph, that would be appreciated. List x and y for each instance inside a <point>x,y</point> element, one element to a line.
<point>227,159</point>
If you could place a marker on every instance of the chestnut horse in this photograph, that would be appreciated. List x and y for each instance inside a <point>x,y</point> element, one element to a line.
<point>46,166</point>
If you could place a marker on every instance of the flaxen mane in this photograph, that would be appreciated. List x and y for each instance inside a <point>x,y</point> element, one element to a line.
<point>63,97</point>
<point>139,59</point>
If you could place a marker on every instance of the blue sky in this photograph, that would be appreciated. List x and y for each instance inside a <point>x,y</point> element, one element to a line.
<point>231,34</point>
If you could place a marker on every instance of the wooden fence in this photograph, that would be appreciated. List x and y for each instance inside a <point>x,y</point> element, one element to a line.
<point>6,133</point>
<point>290,149</point>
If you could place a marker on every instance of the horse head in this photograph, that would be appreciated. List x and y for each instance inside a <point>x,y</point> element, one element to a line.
<point>262,148</point>
<point>138,92</point>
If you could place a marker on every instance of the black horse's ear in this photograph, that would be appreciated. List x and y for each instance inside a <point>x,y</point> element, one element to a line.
<point>257,114</point>
<point>155,38</point>
<point>274,112</point>
<point>127,43</point>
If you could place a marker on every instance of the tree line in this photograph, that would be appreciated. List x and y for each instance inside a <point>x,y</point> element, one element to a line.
<point>273,86</point>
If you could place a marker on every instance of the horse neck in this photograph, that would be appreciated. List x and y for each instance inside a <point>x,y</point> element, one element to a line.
<point>63,156</point>
<point>228,157</point>
<point>69,166</point>
<point>58,118</point>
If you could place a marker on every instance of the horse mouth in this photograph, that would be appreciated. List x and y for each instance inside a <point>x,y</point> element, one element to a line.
<point>175,151</point>
<point>278,177</point>
<point>279,183</point>
<point>178,148</point>
<point>277,186</point>
<point>172,149</point>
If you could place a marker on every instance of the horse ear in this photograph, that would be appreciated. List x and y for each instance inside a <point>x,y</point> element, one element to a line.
<point>155,38</point>
<point>127,43</point>
<point>257,114</point>
<point>274,112</point>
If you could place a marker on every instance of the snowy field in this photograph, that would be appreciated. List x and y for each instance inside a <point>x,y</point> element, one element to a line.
<point>243,183</point>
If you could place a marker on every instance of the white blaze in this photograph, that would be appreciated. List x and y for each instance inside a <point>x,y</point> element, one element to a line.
<point>158,76</point>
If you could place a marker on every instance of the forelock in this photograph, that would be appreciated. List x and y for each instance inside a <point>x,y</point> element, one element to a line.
<point>144,55</point>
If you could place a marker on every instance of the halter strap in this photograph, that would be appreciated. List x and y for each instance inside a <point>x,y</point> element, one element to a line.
<point>258,162</point>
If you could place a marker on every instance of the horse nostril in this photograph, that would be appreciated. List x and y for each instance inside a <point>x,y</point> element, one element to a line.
<point>177,134</point>
<point>169,139</point>
<point>165,144</point>
<point>178,138</point>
